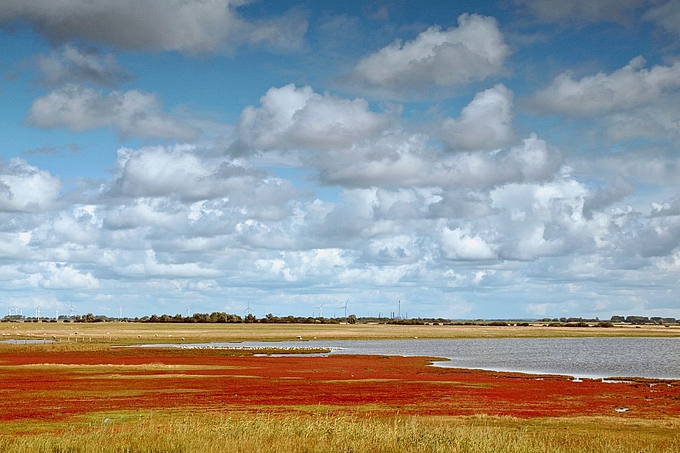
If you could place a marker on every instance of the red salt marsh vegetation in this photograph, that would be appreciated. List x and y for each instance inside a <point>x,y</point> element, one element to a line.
<point>44,384</point>
<point>87,397</point>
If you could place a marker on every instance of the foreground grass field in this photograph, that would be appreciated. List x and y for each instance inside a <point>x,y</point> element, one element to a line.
<point>80,395</point>
<point>246,433</point>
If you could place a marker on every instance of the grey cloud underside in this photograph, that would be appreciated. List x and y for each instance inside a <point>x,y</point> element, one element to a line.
<point>665,14</point>
<point>582,10</point>
<point>607,196</point>
<point>86,66</point>
<point>187,26</point>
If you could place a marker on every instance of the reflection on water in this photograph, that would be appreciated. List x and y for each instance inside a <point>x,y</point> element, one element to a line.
<point>578,357</point>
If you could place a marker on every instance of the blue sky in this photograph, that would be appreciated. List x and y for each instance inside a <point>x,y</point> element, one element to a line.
<point>509,159</point>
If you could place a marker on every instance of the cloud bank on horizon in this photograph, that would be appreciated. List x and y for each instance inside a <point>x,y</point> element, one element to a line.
<point>478,160</point>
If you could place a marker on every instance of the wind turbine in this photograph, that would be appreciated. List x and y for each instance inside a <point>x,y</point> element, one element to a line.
<point>345,307</point>
<point>37,312</point>
<point>188,309</point>
<point>71,311</point>
<point>320,307</point>
<point>120,311</point>
<point>248,309</point>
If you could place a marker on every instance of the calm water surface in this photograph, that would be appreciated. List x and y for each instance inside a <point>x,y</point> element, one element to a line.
<point>578,357</point>
<point>24,341</point>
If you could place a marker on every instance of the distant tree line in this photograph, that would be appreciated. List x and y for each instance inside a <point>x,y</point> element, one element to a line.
<point>222,317</point>
<point>644,320</point>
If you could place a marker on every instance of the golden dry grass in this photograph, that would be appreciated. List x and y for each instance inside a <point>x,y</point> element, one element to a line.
<point>128,333</point>
<point>249,433</point>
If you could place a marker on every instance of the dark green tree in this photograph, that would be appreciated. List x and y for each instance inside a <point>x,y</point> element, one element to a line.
<point>250,318</point>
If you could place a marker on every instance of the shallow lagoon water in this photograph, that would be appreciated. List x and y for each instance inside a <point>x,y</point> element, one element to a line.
<point>578,357</point>
<point>26,341</point>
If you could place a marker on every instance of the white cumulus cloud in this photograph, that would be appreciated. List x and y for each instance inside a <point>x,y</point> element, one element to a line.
<point>628,87</point>
<point>64,276</point>
<point>179,171</point>
<point>400,159</point>
<point>472,51</point>
<point>129,113</point>
<point>462,244</point>
<point>485,123</point>
<point>25,188</point>
<point>291,117</point>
